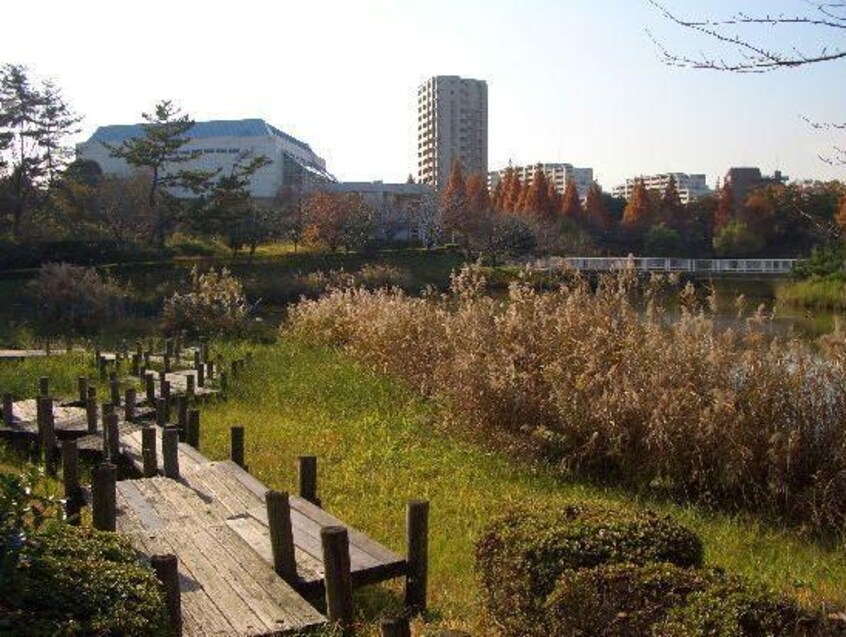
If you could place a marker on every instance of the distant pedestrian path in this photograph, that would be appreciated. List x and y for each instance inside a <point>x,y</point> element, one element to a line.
<point>778,267</point>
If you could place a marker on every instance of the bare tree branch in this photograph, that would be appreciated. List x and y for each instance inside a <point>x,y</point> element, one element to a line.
<point>754,57</point>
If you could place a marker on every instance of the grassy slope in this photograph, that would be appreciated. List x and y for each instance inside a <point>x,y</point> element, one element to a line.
<point>377,449</point>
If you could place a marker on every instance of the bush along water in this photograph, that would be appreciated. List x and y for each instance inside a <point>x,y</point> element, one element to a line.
<point>594,571</point>
<point>598,379</point>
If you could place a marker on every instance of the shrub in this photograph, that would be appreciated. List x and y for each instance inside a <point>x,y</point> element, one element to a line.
<point>619,600</point>
<point>214,303</point>
<point>601,381</point>
<point>521,555</point>
<point>734,607</point>
<point>73,300</point>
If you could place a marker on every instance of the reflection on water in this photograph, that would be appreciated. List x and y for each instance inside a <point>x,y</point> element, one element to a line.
<point>807,322</point>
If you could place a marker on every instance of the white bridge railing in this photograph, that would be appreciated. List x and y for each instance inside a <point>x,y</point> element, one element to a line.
<point>661,264</point>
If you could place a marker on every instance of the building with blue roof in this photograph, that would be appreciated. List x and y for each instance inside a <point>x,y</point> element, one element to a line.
<point>217,145</point>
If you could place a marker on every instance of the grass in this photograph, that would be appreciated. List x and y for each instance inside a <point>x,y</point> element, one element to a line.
<point>827,292</point>
<point>380,445</point>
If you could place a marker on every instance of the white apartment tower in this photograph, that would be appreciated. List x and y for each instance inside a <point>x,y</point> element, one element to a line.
<point>452,123</point>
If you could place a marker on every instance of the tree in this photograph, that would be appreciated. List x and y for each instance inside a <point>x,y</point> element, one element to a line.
<point>662,241</point>
<point>160,151</point>
<point>512,196</point>
<point>749,56</point>
<point>736,239</point>
<point>670,208</point>
<point>840,218</point>
<point>553,198</point>
<point>337,219</point>
<point>725,207</point>
<point>536,202</point>
<point>595,213</point>
<point>33,123</point>
<point>454,206</point>
<point>571,206</point>
<point>638,213</point>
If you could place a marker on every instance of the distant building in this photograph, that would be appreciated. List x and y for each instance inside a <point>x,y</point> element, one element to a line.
<point>745,180</point>
<point>397,206</point>
<point>293,163</point>
<point>690,187</point>
<point>558,174</point>
<point>452,124</point>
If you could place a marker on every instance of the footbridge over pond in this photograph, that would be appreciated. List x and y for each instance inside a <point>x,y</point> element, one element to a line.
<point>695,267</point>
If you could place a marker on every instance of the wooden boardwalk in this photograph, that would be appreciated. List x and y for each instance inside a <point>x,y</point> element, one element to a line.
<point>226,588</point>
<point>230,494</point>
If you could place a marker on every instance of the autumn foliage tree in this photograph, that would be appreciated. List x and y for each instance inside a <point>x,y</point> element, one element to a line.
<point>337,219</point>
<point>571,206</point>
<point>725,207</point>
<point>453,203</point>
<point>595,214</point>
<point>670,208</point>
<point>536,200</point>
<point>638,213</point>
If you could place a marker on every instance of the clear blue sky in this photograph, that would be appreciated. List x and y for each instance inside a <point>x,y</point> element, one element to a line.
<point>575,81</point>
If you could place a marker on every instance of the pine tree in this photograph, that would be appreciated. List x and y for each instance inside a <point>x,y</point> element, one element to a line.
<point>571,207</point>
<point>638,212</point>
<point>671,210</point>
<point>595,213</point>
<point>725,207</point>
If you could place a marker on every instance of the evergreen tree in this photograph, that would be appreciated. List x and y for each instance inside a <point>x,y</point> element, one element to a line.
<point>671,210</point>
<point>638,213</point>
<point>571,207</point>
<point>595,213</point>
<point>160,151</point>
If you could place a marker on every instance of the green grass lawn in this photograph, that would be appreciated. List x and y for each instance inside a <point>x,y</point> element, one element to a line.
<point>379,445</point>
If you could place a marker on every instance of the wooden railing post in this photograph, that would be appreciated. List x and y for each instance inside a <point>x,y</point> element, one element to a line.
<point>130,398</point>
<point>82,385</point>
<point>114,387</point>
<point>48,435</point>
<point>182,417</point>
<point>167,363</point>
<point>103,497</point>
<point>149,456</point>
<point>395,627</point>
<point>417,524</point>
<point>336,567</point>
<point>91,409</point>
<point>190,385</point>
<point>161,412</point>
<point>166,568</point>
<point>281,535</point>
<point>201,375</point>
<point>112,437</point>
<point>170,452</point>
<point>43,386</point>
<point>193,437</point>
<point>150,383</point>
<point>70,480</point>
<point>307,475</point>
<point>165,393</point>
<point>236,445</point>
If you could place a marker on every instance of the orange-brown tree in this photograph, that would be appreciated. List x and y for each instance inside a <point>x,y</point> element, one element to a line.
<point>725,207</point>
<point>536,201</point>
<point>638,213</point>
<point>553,198</point>
<point>513,195</point>
<point>454,204</point>
<point>336,219</point>
<point>571,206</point>
<point>595,214</point>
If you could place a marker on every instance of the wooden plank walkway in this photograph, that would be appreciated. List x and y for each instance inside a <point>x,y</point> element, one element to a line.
<point>226,588</point>
<point>232,495</point>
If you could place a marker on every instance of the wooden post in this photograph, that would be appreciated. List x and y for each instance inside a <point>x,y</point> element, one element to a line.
<point>161,413</point>
<point>136,364</point>
<point>201,374</point>
<point>190,383</point>
<point>165,391</point>
<point>48,435</point>
<point>101,363</point>
<point>236,445</point>
<point>105,411</point>
<point>281,535</point>
<point>70,480</point>
<point>91,413</point>
<point>114,386</point>
<point>148,452</point>
<point>197,358</point>
<point>193,437</point>
<point>82,384</point>
<point>307,474</point>
<point>43,386</point>
<point>167,363</point>
<point>166,568</point>
<point>151,389</point>
<point>395,627</point>
<point>112,437</point>
<point>182,417</point>
<point>170,452</point>
<point>130,397</point>
<point>8,410</point>
<point>168,347</point>
<point>417,526</point>
<point>103,496</point>
<point>336,567</point>
<point>147,357</point>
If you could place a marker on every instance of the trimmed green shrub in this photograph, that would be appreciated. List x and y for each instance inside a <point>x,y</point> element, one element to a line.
<point>619,600</point>
<point>79,581</point>
<point>735,607</point>
<point>521,556</point>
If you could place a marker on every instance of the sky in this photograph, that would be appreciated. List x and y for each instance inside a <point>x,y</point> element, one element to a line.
<point>576,81</point>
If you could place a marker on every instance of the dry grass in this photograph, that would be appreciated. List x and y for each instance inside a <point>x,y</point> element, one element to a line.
<point>602,382</point>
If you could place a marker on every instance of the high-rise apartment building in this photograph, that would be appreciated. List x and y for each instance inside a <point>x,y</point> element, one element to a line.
<point>557,173</point>
<point>690,187</point>
<point>452,124</point>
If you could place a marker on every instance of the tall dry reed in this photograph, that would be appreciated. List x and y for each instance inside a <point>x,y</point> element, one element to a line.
<point>601,380</point>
